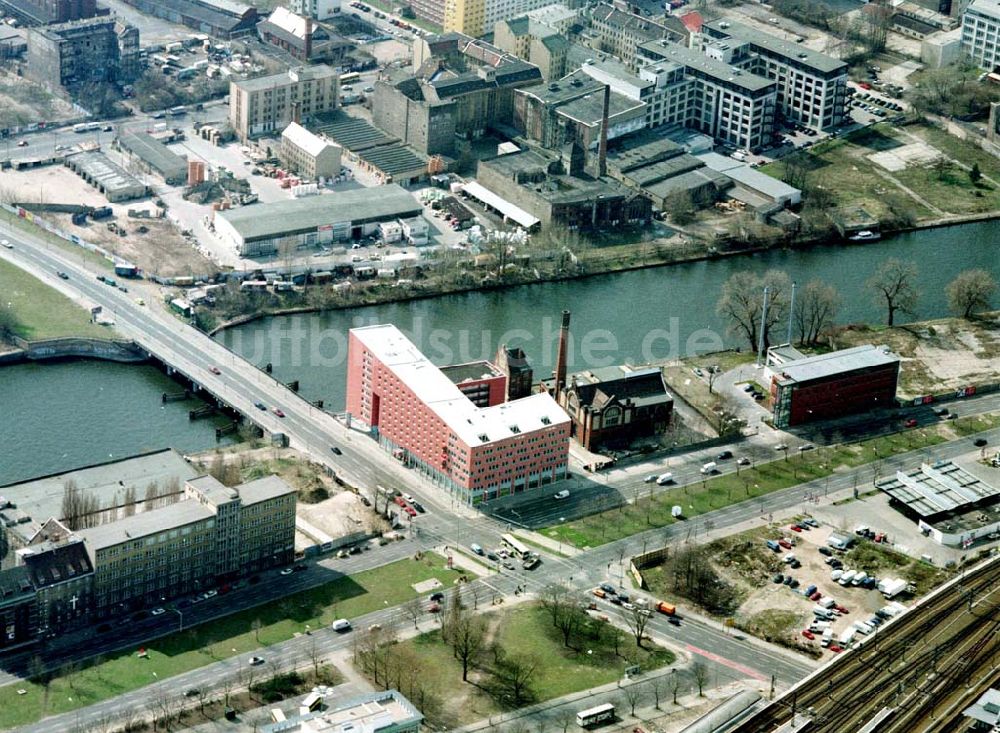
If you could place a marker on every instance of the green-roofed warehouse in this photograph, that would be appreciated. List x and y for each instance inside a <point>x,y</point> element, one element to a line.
<point>314,220</point>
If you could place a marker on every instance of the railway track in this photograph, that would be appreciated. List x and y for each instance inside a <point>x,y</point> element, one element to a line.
<point>892,679</point>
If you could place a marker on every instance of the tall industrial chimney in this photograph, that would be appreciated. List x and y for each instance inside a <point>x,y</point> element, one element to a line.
<point>602,153</point>
<point>560,372</point>
<point>308,38</point>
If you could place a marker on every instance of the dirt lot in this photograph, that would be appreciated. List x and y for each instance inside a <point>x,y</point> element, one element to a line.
<point>937,355</point>
<point>162,250</point>
<point>777,612</point>
<point>23,102</point>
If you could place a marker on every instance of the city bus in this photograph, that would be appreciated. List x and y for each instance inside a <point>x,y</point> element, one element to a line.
<point>349,78</point>
<point>518,548</point>
<point>596,715</point>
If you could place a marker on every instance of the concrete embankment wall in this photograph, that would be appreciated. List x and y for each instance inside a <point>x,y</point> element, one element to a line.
<point>74,348</point>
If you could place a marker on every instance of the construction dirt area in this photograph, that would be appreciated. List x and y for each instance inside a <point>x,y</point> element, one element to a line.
<point>23,102</point>
<point>153,244</point>
<point>937,356</point>
<point>760,604</point>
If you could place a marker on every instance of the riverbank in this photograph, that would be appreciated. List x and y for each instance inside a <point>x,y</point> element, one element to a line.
<point>383,294</point>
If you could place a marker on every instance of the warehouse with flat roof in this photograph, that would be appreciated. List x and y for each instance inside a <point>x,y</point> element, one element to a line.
<point>154,156</point>
<point>314,220</point>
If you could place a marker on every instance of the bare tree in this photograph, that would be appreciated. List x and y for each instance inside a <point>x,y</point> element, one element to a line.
<point>256,625</point>
<point>878,19</point>
<point>565,718</point>
<point>632,693</point>
<point>515,674</point>
<point>467,639</point>
<point>700,672</point>
<point>315,655</point>
<point>970,291</point>
<point>637,620</point>
<point>413,609</point>
<point>893,285</point>
<point>675,685</point>
<point>815,309</point>
<point>657,685</point>
<point>742,301</point>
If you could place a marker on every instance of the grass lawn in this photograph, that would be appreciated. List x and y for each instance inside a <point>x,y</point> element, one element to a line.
<point>528,630</point>
<point>758,480</point>
<point>951,190</point>
<point>962,151</point>
<point>974,424</point>
<point>347,597</point>
<point>42,311</point>
<point>841,166</point>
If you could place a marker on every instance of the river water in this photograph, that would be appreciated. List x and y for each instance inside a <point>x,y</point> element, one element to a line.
<point>59,416</point>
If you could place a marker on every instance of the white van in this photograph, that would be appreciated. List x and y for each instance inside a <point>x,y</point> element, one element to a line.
<point>826,603</point>
<point>863,627</point>
<point>835,575</point>
<point>341,625</point>
<point>664,478</point>
<point>860,578</point>
<point>847,577</point>
<point>824,614</point>
<point>827,637</point>
<point>708,468</point>
<point>847,637</point>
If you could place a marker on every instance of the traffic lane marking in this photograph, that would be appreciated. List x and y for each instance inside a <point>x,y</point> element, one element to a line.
<point>726,662</point>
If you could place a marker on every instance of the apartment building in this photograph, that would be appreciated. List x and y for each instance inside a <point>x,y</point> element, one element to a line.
<point>535,42</point>
<point>476,17</point>
<point>421,415</point>
<point>309,155</point>
<point>51,11</point>
<point>620,33</point>
<point>214,535</point>
<point>94,50</point>
<point>318,9</point>
<point>267,104</point>
<point>727,103</point>
<point>980,29</point>
<point>812,87</point>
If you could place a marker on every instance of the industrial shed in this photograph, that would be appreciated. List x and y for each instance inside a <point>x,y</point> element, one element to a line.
<point>154,156</point>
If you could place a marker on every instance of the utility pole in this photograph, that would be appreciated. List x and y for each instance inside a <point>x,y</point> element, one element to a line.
<point>791,313</point>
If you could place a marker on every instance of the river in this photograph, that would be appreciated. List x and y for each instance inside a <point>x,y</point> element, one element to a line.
<point>105,409</point>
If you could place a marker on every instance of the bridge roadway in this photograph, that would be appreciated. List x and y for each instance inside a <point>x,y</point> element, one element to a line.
<point>191,353</point>
<point>944,640</point>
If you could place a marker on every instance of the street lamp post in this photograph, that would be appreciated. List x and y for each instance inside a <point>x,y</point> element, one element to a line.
<point>180,616</point>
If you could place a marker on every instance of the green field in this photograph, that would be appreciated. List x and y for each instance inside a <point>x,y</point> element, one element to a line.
<point>41,311</point>
<point>754,481</point>
<point>590,661</point>
<point>347,596</point>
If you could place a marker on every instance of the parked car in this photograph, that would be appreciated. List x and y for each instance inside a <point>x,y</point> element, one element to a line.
<point>911,423</point>
<point>564,494</point>
<point>256,661</point>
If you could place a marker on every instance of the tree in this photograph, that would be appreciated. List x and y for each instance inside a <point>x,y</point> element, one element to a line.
<point>975,175</point>
<point>878,20</point>
<point>700,672</point>
<point>632,693</point>
<point>256,625</point>
<point>970,291</point>
<point>514,674</point>
<point>10,325</point>
<point>657,685</point>
<point>893,285</point>
<point>637,619</point>
<point>742,300</point>
<point>816,307</point>
<point>680,207</point>
<point>413,609</point>
<point>795,170</point>
<point>467,640</point>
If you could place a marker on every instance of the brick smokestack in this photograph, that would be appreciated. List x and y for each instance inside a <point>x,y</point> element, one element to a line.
<point>560,373</point>
<point>309,37</point>
<point>602,154</point>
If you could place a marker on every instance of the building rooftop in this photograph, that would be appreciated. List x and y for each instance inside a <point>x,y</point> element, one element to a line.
<point>638,151</point>
<point>709,67</point>
<point>15,585</point>
<point>371,713</point>
<point>589,109</point>
<point>264,488</point>
<point>986,709</point>
<point>552,15</point>
<point>533,167</point>
<point>289,22</point>
<point>146,523</point>
<point>470,372</point>
<point>989,8</point>
<point>475,426</point>
<point>153,152</point>
<point>350,132</point>
<point>510,210</point>
<point>635,25</point>
<point>939,488</point>
<point>301,138</point>
<point>749,177</point>
<point>302,73</point>
<point>823,366</point>
<point>394,159</point>
<point>51,564</point>
<point>41,498</point>
<point>597,386</point>
<point>794,52</point>
<point>97,167</point>
<point>213,490</point>
<point>265,221</point>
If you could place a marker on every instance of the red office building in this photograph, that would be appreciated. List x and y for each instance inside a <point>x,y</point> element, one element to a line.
<point>809,388</point>
<point>474,445</point>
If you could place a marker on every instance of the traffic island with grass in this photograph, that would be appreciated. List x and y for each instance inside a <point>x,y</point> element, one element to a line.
<point>76,686</point>
<point>515,657</point>
<point>755,481</point>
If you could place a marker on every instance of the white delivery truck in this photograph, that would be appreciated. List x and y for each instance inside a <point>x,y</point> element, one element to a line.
<point>847,637</point>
